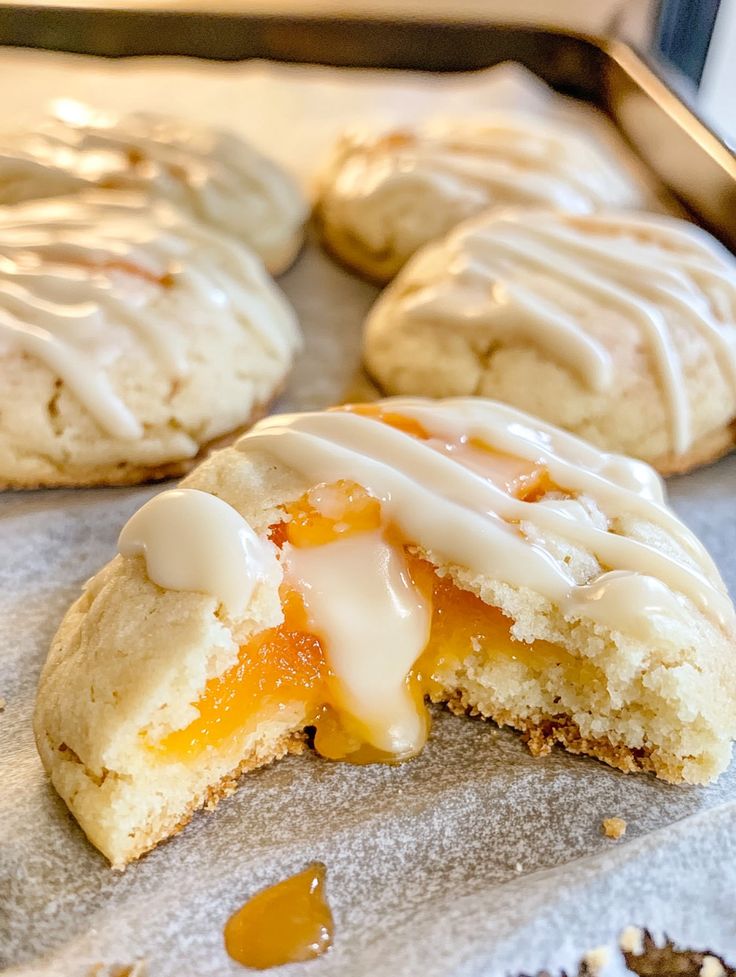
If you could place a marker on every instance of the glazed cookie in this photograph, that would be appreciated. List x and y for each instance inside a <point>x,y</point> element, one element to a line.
<point>381,197</point>
<point>130,339</point>
<point>212,175</point>
<point>620,328</point>
<point>333,569</point>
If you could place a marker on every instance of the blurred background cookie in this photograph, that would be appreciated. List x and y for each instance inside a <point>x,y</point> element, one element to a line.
<point>619,328</point>
<point>382,196</point>
<point>213,175</point>
<point>130,338</point>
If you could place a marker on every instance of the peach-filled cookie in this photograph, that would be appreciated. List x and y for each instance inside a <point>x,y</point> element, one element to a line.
<point>131,339</point>
<point>381,196</point>
<point>213,175</point>
<point>331,571</point>
<point>618,327</point>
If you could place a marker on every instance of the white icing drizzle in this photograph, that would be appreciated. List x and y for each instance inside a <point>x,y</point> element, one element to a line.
<point>194,541</point>
<point>372,621</point>
<point>526,158</point>
<point>372,632</point>
<point>610,599</point>
<point>512,157</point>
<point>523,276</point>
<point>497,160</point>
<point>463,518</point>
<point>200,169</point>
<point>84,278</point>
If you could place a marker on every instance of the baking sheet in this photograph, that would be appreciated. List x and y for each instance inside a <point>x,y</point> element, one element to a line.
<point>475,858</point>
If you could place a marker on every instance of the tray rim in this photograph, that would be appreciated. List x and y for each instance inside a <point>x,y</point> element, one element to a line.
<point>634,62</point>
<point>119,31</point>
<point>638,67</point>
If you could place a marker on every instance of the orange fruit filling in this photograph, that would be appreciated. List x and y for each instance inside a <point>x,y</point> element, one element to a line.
<point>328,513</point>
<point>378,413</point>
<point>281,665</point>
<point>525,480</point>
<point>286,923</point>
<point>462,622</point>
<point>287,665</point>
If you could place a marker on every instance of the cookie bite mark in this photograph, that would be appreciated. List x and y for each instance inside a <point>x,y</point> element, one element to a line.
<point>391,625</point>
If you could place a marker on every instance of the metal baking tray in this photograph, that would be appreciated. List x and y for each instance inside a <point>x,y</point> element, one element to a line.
<point>672,141</point>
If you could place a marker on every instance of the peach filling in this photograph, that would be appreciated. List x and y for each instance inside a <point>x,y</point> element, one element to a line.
<point>282,665</point>
<point>288,922</point>
<point>286,666</point>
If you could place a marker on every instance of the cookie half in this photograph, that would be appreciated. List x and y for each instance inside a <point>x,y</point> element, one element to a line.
<point>130,339</point>
<point>381,197</point>
<point>332,570</point>
<point>619,327</point>
<point>213,175</point>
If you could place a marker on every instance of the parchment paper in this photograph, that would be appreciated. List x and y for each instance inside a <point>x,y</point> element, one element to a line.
<point>475,859</point>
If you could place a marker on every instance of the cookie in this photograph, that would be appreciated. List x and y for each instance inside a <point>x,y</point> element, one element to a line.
<point>333,569</point>
<point>212,175</point>
<point>130,339</point>
<point>381,197</point>
<point>618,327</point>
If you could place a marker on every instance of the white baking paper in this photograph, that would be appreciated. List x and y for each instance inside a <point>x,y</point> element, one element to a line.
<point>475,859</point>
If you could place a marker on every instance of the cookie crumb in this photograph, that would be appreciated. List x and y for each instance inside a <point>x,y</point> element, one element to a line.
<point>614,828</point>
<point>520,868</point>
<point>3,703</point>
<point>712,967</point>
<point>631,940</point>
<point>595,960</point>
